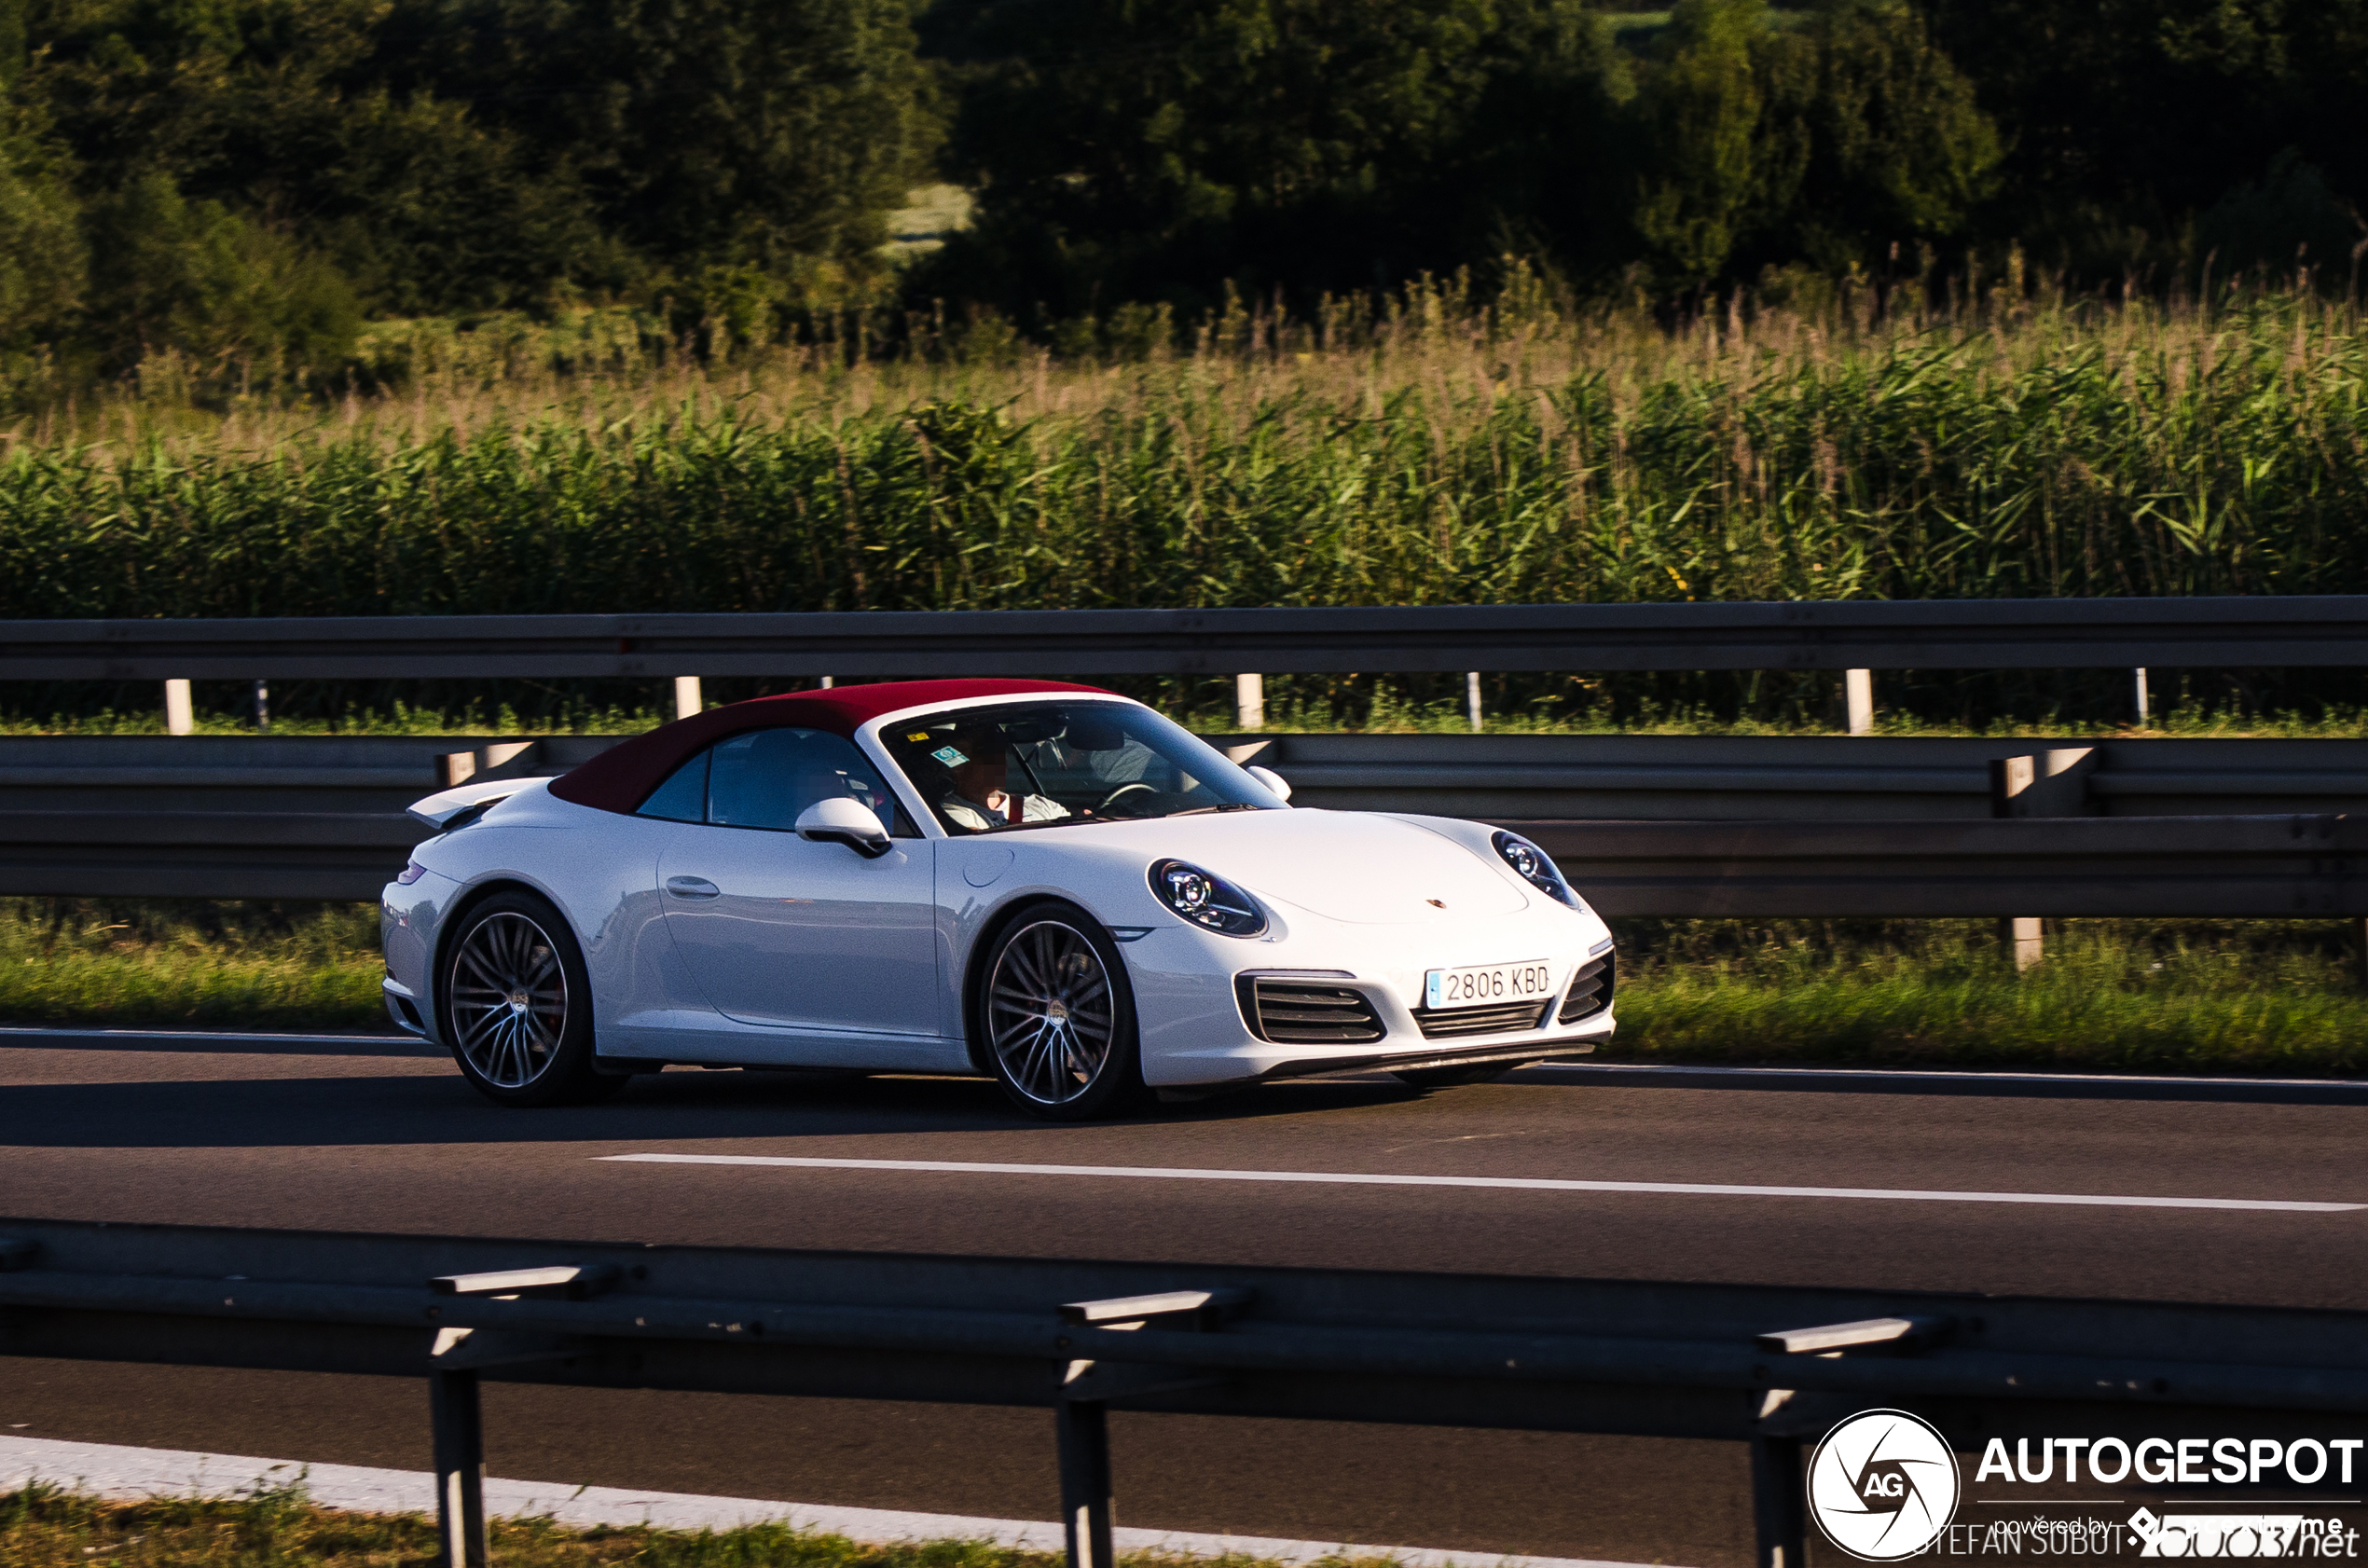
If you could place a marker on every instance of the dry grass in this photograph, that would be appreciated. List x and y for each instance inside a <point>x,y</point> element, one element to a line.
<point>1448,457</point>
<point>41,1527</point>
<point>1461,353</point>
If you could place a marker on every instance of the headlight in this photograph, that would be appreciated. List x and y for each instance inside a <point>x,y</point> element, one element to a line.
<point>1534,867</point>
<point>1206,901</point>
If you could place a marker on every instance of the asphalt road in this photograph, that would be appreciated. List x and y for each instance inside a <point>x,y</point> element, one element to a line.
<point>235,1133</point>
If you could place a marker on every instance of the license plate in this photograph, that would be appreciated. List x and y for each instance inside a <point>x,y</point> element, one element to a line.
<point>1481,985</point>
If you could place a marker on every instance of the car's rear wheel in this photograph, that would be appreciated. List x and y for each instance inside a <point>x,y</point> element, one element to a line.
<point>1057,1017</point>
<point>1448,1077</point>
<point>517,1006</point>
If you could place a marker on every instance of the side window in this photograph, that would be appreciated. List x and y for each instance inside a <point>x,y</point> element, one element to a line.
<point>766,778</point>
<point>682,798</point>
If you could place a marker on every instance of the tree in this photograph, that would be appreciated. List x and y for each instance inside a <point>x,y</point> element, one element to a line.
<point>701,132</point>
<point>1827,139</point>
<point>1698,118</point>
<point>430,212</point>
<point>44,262</point>
<point>267,108</point>
<point>2128,117</point>
<point>1128,149</point>
<point>192,277</point>
<point>1873,138</point>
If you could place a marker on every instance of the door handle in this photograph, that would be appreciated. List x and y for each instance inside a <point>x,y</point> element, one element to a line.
<point>692,887</point>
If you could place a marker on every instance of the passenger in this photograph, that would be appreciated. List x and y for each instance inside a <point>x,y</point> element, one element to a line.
<point>977,800</point>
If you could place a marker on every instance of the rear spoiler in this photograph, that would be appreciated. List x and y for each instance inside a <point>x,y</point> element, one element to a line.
<point>438,810</point>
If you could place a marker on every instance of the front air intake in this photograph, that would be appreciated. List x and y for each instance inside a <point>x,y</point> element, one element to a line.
<point>1591,992</point>
<point>1447,1023</point>
<point>1307,1011</point>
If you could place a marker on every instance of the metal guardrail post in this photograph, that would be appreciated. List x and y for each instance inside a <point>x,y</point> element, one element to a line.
<point>1858,693</point>
<point>1081,1410</point>
<point>1083,1428</point>
<point>180,717</point>
<point>453,1409</point>
<point>688,699</point>
<point>1777,1518</point>
<point>2025,939</point>
<point>1249,702</point>
<point>2051,783</point>
<point>460,1468</point>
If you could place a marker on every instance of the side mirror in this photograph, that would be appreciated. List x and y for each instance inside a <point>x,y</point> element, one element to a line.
<point>1280,786</point>
<point>838,819</point>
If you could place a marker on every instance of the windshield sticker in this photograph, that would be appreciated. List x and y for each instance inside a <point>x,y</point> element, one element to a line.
<point>918,735</point>
<point>949,756</point>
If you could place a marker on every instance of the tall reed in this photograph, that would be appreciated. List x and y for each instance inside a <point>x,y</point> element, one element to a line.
<point>1440,456</point>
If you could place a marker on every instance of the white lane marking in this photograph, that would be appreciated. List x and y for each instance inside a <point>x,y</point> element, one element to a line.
<point>1527,1184</point>
<point>128,1474</point>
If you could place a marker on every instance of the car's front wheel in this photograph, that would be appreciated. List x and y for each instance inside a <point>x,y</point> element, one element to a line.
<point>517,1006</point>
<point>1059,1017</point>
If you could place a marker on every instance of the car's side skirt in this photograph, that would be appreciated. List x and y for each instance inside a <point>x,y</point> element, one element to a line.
<point>749,1046</point>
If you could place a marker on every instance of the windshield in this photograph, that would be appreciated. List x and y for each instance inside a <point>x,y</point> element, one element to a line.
<point>1038,764</point>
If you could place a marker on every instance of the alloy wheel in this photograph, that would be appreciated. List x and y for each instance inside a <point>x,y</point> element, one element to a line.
<point>1049,1013</point>
<point>509,999</point>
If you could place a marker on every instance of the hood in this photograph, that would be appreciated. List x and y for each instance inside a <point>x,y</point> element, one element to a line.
<point>1350,866</point>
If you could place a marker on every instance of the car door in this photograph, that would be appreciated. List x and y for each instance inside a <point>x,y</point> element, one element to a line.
<point>780,931</point>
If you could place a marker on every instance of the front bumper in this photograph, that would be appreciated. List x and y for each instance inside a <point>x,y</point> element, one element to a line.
<point>1187,993</point>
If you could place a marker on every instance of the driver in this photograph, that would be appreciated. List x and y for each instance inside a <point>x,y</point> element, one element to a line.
<point>977,800</point>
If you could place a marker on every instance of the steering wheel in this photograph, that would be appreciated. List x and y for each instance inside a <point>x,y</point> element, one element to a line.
<point>1122,793</point>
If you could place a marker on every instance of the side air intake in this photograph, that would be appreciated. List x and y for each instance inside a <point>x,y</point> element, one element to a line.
<point>1307,1011</point>
<point>1589,993</point>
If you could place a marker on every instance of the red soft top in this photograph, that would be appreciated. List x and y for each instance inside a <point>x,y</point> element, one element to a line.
<point>622,777</point>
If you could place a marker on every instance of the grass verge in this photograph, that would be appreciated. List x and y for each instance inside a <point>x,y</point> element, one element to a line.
<point>226,965</point>
<point>2178,997</point>
<point>2269,996</point>
<point>43,1527</point>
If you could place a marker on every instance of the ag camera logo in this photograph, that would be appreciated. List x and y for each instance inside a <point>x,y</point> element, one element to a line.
<point>1882,1486</point>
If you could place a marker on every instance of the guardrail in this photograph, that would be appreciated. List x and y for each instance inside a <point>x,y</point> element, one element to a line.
<point>1647,825</point>
<point>231,816</point>
<point>2253,867</point>
<point>1768,1365</point>
<point>1858,634</point>
<point>1844,779</point>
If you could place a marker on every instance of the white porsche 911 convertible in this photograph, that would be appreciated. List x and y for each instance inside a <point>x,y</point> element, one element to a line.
<point>1046,883</point>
